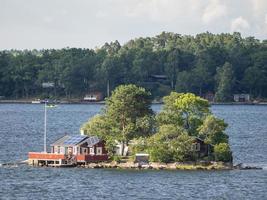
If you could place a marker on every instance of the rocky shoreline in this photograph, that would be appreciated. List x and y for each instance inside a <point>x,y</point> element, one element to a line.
<point>154,166</point>
<point>160,166</point>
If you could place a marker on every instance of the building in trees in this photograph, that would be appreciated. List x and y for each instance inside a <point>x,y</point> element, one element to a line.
<point>241,97</point>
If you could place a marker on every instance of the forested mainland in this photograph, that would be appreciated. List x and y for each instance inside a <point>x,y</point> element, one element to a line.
<point>221,64</point>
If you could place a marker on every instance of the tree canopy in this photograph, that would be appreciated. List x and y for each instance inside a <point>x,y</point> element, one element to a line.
<point>218,63</point>
<point>127,115</point>
<point>168,135</point>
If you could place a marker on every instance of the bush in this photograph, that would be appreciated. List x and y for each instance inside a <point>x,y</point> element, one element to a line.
<point>116,158</point>
<point>222,152</point>
<point>160,153</point>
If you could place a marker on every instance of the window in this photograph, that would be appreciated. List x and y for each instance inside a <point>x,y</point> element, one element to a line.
<point>58,149</point>
<point>196,147</point>
<point>85,151</point>
<point>92,151</point>
<point>98,150</point>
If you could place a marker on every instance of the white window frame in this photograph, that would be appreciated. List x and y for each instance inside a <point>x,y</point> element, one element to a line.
<point>98,150</point>
<point>92,150</point>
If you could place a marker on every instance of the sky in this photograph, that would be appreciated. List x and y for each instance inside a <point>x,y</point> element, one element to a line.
<point>42,24</point>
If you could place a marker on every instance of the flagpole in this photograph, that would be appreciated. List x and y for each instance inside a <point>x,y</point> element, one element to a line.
<point>45,129</point>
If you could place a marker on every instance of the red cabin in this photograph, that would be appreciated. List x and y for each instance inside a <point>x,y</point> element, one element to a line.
<point>71,150</point>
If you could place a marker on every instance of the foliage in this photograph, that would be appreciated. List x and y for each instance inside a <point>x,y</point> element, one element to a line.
<point>192,109</point>
<point>129,120</point>
<point>170,144</point>
<point>190,64</point>
<point>222,152</point>
<point>100,126</point>
<point>185,110</point>
<point>183,148</point>
<point>225,82</point>
<point>129,111</point>
<point>127,115</point>
<point>183,118</point>
<point>138,145</point>
<point>212,130</point>
<point>170,114</point>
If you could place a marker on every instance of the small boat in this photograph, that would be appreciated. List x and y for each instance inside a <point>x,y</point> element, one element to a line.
<point>51,106</point>
<point>36,101</point>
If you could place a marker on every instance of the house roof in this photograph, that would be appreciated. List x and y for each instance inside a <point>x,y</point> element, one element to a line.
<point>68,140</point>
<point>91,141</point>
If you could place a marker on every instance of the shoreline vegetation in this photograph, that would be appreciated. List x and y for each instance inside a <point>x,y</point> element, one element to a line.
<point>29,101</point>
<point>214,66</point>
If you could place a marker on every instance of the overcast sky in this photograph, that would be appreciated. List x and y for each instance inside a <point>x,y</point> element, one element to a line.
<point>29,24</point>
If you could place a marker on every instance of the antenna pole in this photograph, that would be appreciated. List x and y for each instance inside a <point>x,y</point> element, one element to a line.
<point>45,129</point>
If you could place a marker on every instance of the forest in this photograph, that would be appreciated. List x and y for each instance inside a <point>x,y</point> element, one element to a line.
<point>221,64</point>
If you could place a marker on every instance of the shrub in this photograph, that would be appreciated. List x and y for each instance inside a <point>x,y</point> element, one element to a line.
<point>222,152</point>
<point>116,158</point>
<point>160,153</point>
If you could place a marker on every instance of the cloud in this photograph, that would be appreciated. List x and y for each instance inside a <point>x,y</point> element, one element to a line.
<point>48,19</point>
<point>160,10</point>
<point>259,5</point>
<point>213,11</point>
<point>101,14</point>
<point>239,24</point>
<point>88,23</point>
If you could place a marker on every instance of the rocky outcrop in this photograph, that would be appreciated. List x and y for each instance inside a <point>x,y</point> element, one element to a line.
<point>162,166</point>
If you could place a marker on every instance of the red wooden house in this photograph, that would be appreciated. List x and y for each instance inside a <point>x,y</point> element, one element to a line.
<point>71,150</point>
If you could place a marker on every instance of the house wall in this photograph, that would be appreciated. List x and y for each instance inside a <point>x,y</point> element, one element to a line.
<point>45,156</point>
<point>241,97</point>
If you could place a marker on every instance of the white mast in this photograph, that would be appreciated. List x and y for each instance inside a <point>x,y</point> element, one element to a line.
<point>45,128</point>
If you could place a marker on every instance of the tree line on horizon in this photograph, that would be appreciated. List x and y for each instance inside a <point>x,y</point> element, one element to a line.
<point>222,64</point>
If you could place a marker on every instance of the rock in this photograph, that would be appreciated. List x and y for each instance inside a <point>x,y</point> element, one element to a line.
<point>241,166</point>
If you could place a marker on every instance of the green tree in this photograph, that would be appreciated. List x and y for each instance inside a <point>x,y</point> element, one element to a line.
<point>212,130</point>
<point>225,82</point>
<point>127,106</point>
<point>193,109</point>
<point>184,81</point>
<point>170,114</point>
<point>127,115</point>
<point>255,80</point>
<point>223,152</point>
<point>183,148</point>
<point>201,77</point>
<point>170,144</point>
<point>172,66</point>
<point>100,126</point>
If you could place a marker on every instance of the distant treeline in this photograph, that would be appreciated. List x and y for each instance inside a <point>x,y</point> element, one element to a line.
<point>222,64</point>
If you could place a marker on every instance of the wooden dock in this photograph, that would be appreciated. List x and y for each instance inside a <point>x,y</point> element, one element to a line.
<point>61,165</point>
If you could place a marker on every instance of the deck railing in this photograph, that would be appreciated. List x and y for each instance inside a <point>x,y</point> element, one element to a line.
<point>55,156</point>
<point>45,156</point>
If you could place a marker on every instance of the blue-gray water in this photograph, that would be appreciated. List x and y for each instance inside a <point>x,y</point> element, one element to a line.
<point>21,130</point>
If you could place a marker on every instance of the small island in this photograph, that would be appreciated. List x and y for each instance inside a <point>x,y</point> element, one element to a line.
<point>183,135</point>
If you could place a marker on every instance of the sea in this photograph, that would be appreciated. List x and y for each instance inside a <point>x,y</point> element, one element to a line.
<point>22,128</point>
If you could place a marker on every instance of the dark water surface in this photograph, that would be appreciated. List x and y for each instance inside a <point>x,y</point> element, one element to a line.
<point>21,130</point>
